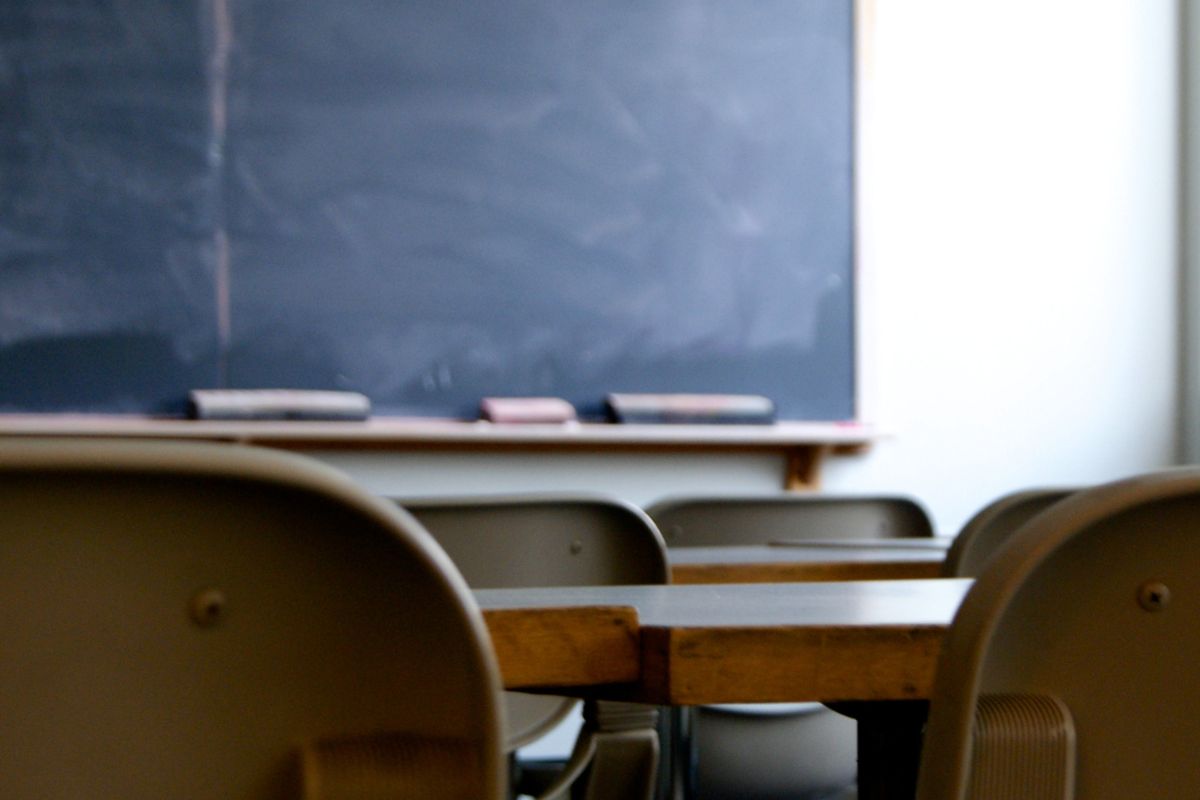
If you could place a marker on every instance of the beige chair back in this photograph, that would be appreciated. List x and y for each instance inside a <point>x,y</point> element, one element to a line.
<point>1070,669</point>
<point>544,540</point>
<point>748,520</point>
<point>992,526</point>
<point>208,621</point>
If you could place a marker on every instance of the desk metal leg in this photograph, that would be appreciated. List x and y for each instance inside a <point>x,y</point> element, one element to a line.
<point>676,771</point>
<point>889,746</point>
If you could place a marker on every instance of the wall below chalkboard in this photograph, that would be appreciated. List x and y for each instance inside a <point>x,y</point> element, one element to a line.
<point>428,202</point>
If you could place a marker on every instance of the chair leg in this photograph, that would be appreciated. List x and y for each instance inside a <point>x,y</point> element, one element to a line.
<point>616,756</point>
<point>625,764</point>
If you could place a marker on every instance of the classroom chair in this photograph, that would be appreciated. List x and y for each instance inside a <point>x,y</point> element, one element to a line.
<point>713,521</point>
<point>1070,668</point>
<point>992,526</point>
<point>217,621</point>
<point>560,540</point>
<point>773,750</point>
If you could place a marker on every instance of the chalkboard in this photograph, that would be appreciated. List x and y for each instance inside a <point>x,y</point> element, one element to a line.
<point>428,201</point>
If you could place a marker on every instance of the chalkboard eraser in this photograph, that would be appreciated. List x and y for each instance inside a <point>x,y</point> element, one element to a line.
<point>690,409</point>
<point>526,409</point>
<point>277,404</point>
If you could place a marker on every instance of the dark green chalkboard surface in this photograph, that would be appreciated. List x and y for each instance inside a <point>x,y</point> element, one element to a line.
<point>428,201</point>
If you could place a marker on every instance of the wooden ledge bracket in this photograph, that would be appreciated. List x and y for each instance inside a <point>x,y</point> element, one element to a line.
<point>804,467</point>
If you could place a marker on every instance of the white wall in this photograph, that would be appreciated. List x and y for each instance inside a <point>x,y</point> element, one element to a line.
<point>1019,238</point>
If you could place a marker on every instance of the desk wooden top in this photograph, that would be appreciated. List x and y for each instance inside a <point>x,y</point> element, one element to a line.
<point>684,645</point>
<point>820,561</point>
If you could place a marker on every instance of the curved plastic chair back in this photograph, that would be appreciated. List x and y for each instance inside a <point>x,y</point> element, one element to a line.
<point>543,540</point>
<point>1069,670</point>
<point>746,520</point>
<point>991,527</point>
<point>202,621</point>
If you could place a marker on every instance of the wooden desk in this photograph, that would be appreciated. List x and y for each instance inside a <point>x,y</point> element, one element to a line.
<point>871,647</point>
<point>737,643</point>
<point>797,563</point>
